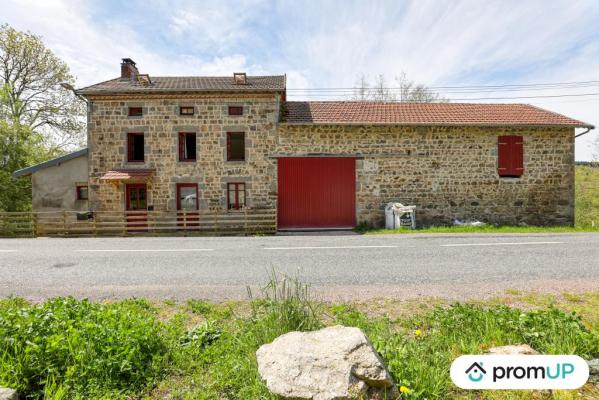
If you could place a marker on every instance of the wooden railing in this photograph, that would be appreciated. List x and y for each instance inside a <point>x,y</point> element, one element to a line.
<point>72,223</point>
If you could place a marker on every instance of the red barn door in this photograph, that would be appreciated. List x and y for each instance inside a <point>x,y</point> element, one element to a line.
<point>316,192</point>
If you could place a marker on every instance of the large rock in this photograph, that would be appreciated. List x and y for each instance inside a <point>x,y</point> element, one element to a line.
<point>518,349</point>
<point>8,394</point>
<point>332,363</point>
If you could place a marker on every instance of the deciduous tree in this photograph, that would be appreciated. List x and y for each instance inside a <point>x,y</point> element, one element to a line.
<point>31,94</point>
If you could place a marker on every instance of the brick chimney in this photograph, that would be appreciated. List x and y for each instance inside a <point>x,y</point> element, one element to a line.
<point>128,69</point>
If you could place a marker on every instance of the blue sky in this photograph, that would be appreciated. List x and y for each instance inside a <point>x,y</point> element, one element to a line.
<point>330,43</point>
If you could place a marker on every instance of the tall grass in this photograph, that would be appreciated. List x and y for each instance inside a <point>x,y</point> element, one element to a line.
<point>285,305</point>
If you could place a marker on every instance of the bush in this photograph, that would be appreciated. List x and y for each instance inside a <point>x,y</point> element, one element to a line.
<point>77,348</point>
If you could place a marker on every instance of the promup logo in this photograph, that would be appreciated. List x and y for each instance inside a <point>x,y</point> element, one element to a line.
<point>519,372</point>
<point>476,372</point>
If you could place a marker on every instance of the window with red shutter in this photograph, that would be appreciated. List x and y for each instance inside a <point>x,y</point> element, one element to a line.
<point>510,156</point>
<point>135,146</point>
<point>235,110</point>
<point>235,146</point>
<point>187,146</point>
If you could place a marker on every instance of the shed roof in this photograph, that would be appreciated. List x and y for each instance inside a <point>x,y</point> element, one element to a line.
<point>269,83</point>
<point>458,114</point>
<point>50,163</point>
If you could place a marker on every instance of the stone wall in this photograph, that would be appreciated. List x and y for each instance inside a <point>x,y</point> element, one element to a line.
<point>161,124</point>
<point>54,188</point>
<point>448,172</point>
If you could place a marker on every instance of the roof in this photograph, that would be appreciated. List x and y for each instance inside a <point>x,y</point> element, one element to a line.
<point>128,174</point>
<point>272,83</point>
<point>458,114</point>
<point>50,163</point>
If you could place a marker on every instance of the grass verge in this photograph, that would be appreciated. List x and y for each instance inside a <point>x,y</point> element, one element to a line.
<point>134,349</point>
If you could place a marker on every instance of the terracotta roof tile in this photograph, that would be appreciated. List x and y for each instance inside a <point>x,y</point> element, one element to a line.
<point>187,83</point>
<point>127,174</point>
<point>360,112</point>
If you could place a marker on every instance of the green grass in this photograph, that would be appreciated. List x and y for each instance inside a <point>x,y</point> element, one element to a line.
<point>133,349</point>
<point>480,229</point>
<point>587,197</point>
<point>586,217</point>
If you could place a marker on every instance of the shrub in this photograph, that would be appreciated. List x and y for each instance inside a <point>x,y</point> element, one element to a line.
<point>79,348</point>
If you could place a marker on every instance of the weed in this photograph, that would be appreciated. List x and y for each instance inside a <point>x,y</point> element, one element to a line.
<point>79,347</point>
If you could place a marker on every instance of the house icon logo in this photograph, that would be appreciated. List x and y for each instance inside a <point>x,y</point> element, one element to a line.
<point>476,372</point>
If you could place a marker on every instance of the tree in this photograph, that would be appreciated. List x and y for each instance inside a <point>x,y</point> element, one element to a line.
<point>38,117</point>
<point>407,90</point>
<point>31,94</point>
<point>19,148</point>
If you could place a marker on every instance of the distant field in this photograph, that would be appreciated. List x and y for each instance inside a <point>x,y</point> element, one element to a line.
<point>587,197</point>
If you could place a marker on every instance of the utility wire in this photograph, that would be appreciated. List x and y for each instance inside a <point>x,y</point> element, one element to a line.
<point>531,86</point>
<point>474,98</point>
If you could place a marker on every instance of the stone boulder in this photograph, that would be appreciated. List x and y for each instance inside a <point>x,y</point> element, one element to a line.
<point>333,363</point>
<point>8,394</point>
<point>518,349</point>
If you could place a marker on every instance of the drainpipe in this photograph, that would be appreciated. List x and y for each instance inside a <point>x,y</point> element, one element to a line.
<point>584,133</point>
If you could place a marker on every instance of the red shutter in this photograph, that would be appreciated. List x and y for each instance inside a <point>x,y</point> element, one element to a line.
<point>181,146</point>
<point>510,155</point>
<point>228,146</point>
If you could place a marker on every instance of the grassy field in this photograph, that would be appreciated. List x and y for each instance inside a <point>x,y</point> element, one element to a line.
<point>586,218</point>
<point>136,349</point>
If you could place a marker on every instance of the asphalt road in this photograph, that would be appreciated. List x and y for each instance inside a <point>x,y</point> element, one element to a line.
<point>338,266</point>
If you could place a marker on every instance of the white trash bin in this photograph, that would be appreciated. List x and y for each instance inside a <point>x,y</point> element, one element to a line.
<point>394,212</point>
<point>391,217</point>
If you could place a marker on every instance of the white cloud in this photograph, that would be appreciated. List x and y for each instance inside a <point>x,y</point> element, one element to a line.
<point>328,44</point>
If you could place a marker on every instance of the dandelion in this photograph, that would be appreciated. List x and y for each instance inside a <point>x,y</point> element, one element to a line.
<point>404,389</point>
<point>418,332</point>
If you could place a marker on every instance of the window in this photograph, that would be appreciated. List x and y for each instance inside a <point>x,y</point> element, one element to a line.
<point>235,110</point>
<point>82,192</point>
<point>135,147</point>
<point>135,111</point>
<point>235,196</point>
<point>186,110</point>
<point>187,146</point>
<point>136,197</point>
<point>235,146</point>
<point>510,156</point>
<point>187,196</point>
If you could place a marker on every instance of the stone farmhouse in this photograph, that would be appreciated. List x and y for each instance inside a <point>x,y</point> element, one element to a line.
<point>232,144</point>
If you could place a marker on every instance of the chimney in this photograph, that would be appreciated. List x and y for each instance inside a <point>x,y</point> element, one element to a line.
<point>239,78</point>
<point>128,69</point>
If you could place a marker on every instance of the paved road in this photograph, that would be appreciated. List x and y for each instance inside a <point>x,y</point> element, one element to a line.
<point>339,266</point>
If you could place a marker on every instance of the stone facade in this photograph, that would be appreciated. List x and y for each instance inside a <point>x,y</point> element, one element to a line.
<point>447,172</point>
<point>161,123</point>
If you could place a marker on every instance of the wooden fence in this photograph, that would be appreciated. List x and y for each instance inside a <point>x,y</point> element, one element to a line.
<point>72,223</point>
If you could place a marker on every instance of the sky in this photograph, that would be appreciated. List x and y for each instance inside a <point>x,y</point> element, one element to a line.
<point>329,44</point>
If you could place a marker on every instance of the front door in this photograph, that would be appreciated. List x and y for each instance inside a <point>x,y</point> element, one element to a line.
<point>137,205</point>
<point>137,197</point>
